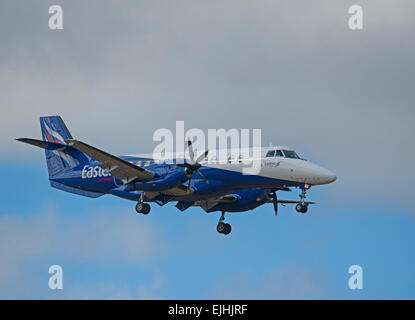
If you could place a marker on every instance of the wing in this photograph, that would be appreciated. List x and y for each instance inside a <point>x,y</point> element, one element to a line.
<point>290,201</point>
<point>119,168</point>
<point>179,190</point>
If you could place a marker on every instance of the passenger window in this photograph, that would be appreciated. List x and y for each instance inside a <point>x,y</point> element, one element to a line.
<point>138,163</point>
<point>278,153</point>
<point>270,153</point>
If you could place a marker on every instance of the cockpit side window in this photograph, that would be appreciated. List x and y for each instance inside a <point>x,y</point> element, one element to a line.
<point>270,153</point>
<point>278,153</point>
<point>291,154</point>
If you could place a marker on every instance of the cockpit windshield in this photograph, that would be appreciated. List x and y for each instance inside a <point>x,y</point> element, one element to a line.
<point>270,153</point>
<point>291,154</point>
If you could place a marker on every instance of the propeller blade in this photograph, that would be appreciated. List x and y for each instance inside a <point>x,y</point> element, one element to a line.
<point>203,177</point>
<point>275,202</point>
<point>191,152</point>
<point>202,156</point>
<point>192,165</point>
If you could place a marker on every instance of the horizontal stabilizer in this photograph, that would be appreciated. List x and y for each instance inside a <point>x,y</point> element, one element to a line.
<point>43,144</point>
<point>59,156</point>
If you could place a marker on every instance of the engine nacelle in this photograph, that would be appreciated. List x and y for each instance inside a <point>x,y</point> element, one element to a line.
<point>248,200</point>
<point>165,182</point>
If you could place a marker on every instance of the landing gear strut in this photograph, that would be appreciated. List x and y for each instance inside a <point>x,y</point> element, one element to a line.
<point>302,206</point>
<point>222,227</point>
<point>142,207</point>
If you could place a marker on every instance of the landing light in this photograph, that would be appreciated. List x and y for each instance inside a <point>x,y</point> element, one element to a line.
<point>306,186</point>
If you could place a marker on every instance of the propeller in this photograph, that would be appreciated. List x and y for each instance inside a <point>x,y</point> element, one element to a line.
<point>193,165</point>
<point>273,194</point>
<point>275,202</point>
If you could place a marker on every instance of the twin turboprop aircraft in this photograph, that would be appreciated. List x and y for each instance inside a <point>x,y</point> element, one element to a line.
<point>79,168</point>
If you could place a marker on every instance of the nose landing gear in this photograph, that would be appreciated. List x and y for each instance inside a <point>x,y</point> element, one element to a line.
<point>222,227</point>
<point>302,206</point>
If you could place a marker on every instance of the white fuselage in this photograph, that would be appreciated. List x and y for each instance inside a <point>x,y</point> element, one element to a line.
<point>277,167</point>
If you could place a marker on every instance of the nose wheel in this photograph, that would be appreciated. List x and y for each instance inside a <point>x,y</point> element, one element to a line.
<point>222,227</point>
<point>300,207</point>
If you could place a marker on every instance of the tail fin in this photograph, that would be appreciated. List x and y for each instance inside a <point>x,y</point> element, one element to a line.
<point>55,131</point>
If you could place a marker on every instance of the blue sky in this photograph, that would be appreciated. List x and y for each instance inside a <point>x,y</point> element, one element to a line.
<point>341,98</point>
<point>107,251</point>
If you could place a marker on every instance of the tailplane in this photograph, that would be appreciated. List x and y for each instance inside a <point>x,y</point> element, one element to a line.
<point>59,156</point>
<point>55,131</point>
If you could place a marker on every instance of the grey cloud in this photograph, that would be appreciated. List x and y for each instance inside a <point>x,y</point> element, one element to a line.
<point>118,71</point>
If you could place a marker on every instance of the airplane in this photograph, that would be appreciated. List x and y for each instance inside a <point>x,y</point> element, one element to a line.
<point>202,181</point>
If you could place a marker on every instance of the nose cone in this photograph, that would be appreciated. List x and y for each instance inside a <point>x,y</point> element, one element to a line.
<point>313,174</point>
<point>327,176</point>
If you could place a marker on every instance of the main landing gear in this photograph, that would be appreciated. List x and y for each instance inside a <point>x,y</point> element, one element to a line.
<point>142,207</point>
<point>222,227</point>
<point>302,206</point>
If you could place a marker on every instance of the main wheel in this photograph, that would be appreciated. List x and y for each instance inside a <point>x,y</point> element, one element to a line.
<point>146,209</point>
<point>228,229</point>
<point>142,207</point>
<point>139,207</point>
<point>221,227</point>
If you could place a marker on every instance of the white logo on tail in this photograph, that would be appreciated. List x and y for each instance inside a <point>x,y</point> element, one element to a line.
<point>52,135</point>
